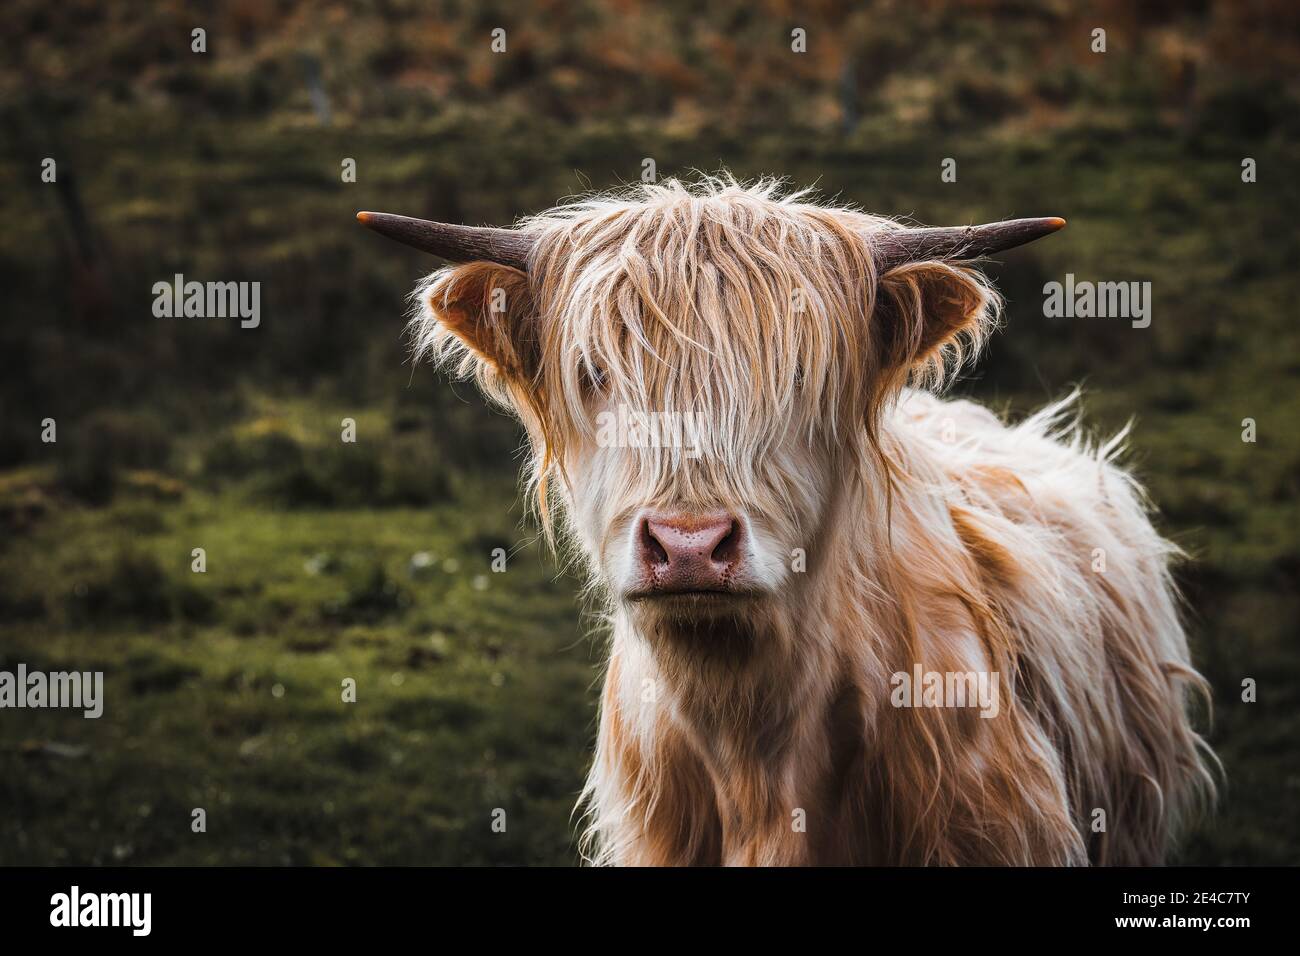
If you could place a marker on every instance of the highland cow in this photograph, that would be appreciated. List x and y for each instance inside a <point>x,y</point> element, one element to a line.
<point>839,536</point>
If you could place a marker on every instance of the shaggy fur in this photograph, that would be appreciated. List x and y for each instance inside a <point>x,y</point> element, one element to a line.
<point>885,528</point>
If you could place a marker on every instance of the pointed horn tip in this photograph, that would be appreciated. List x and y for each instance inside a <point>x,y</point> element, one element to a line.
<point>364,218</point>
<point>1054,223</point>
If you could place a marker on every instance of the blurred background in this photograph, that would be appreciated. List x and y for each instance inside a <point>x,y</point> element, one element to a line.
<point>327,560</point>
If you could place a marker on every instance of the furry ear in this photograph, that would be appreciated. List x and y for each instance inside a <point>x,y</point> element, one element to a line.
<point>481,314</point>
<point>932,315</point>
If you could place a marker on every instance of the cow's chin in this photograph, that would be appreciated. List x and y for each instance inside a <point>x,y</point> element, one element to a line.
<point>711,624</point>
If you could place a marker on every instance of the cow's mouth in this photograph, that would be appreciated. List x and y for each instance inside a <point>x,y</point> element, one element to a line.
<point>691,595</point>
<point>686,611</point>
<point>702,625</point>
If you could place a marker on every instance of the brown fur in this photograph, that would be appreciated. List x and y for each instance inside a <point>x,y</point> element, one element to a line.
<point>764,731</point>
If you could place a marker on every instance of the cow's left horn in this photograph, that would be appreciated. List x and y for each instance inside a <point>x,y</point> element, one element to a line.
<point>899,247</point>
<point>457,243</point>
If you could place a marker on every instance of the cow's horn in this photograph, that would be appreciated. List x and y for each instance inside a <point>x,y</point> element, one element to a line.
<point>457,243</point>
<point>899,247</point>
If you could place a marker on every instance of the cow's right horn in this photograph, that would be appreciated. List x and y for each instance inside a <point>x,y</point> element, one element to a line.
<point>507,247</point>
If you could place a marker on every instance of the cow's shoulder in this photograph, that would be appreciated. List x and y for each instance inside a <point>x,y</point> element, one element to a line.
<point>950,420</point>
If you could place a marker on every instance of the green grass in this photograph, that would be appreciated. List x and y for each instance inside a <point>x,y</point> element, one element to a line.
<point>474,691</point>
<point>176,436</point>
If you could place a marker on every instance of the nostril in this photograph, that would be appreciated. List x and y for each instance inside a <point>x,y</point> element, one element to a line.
<point>651,547</point>
<point>727,550</point>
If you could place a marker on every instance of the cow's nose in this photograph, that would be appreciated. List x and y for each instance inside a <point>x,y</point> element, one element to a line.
<point>690,552</point>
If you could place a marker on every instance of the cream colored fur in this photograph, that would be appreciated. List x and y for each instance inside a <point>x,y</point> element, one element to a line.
<point>886,528</point>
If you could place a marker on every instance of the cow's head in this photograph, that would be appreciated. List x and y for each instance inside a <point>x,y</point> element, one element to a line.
<point>701,372</point>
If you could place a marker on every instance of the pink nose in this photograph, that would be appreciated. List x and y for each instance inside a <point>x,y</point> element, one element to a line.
<point>684,552</point>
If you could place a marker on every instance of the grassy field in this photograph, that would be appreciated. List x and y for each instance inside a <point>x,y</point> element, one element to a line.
<point>224,689</point>
<point>475,690</point>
